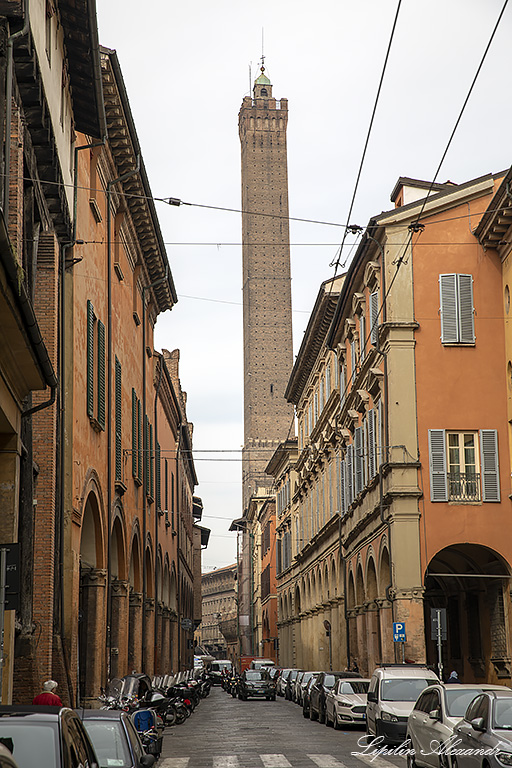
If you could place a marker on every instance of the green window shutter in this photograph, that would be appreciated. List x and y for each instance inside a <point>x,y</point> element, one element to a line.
<point>135,442</point>
<point>151,464</point>
<point>139,440</point>
<point>490,467</point>
<point>118,419</point>
<point>146,454</point>
<point>437,460</point>
<point>157,477</point>
<point>101,374</point>
<point>90,360</point>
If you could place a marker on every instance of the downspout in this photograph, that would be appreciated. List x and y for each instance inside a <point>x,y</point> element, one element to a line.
<point>157,508</point>
<point>8,103</point>
<point>110,184</point>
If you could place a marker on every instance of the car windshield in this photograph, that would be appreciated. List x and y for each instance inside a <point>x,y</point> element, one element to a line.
<point>354,686</point>
<point>329,681</point>
<point>502,716</point>
<point>255,674</point>
<point>293,675</point>
<point>109,742</point>
<point>458,701</point>
<point>406,689</point>
<point>31,744</point>
<point>306,678</point>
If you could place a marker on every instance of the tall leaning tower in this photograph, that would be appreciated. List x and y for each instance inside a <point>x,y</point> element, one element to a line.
<point>267,303</point>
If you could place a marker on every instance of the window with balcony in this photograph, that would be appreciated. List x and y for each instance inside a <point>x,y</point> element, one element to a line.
<point>464,466</point>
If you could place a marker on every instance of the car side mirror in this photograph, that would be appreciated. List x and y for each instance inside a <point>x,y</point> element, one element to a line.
<point>147,761</point>
<point>478,724</point>
<point>435,714</point>
<point>372,696</point>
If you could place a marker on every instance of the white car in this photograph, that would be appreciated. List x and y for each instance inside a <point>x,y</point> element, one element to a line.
<point>437,711</point>
<point>346,703</point>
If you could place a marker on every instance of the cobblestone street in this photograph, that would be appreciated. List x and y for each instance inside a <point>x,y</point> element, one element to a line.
<point>227,733</point>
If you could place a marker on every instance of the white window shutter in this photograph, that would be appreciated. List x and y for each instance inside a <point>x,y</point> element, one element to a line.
<point>437,459</point>
<point>466,309</point>
<point>358,450</point>
<point>374,317</point>
<point>372,464</point>
<point>448,296</point>
<point>489,463</point>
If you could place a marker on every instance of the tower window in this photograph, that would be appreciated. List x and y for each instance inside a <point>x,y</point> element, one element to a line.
<point>264,92</point>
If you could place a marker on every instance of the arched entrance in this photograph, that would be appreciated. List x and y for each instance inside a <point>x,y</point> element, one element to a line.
<point>91,609</point>
<point>472,583</point>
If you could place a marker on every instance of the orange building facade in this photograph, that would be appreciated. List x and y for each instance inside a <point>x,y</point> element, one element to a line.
<point>423,414</point>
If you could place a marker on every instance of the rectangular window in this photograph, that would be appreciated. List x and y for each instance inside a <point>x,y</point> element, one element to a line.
<point>343,385</point>
<point>362,336</point>
<point>457,309</point>
<point>358,459</point>
<point>118,409</point>
<point>455,459</point>
<point>353,358</point>
<point>158,478</point>
<point>101,375</point>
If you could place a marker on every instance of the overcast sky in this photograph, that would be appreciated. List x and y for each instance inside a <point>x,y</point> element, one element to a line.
<point>186,67</point>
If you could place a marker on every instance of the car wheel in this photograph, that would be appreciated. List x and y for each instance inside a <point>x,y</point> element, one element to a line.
<point>321,715</point>
<point>312,714</point>
<point>273,698</point>
<point>336,725</point>
<point>305,712</point>
<point>411,761</point>
<point>328,721</point>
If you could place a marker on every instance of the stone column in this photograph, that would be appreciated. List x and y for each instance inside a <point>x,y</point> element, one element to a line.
<point>135,632</point>
<point>386,631</point>
<point>165,649</point>
<point>119,628</point>
<point>148,661</point>
<point>409,610</point>
<point>93,616</point>
<point>174,641</point>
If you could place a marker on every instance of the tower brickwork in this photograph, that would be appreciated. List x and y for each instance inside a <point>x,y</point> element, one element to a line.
<point>267,318</point>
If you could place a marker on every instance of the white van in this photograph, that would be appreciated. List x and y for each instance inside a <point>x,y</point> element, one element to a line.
<point>392,693</point>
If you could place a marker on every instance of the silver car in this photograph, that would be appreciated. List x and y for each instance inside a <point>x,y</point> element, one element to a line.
<point>486,727</point>
<point>437,711</point>
<point>346,703</point>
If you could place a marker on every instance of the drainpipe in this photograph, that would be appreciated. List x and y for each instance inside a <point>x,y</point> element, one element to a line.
<point>110,184</point>
<point>8,102</point>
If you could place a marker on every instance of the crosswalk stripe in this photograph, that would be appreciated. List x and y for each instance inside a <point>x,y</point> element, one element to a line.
<point>326,761</point>
<point>175,762</point>
<point>225,761</point>
<point>376,761</point>
<point>275,761</point>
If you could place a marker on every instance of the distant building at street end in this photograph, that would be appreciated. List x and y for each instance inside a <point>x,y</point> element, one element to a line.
<point>219,612</point>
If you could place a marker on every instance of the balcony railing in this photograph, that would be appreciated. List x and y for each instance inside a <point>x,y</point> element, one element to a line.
<point>463,486</point>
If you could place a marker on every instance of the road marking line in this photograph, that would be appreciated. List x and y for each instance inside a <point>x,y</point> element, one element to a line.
<point>275,761</point>
<point>175,762</point>
<point>376,762</point>
<point>326,761</point>
<point>225,761</point>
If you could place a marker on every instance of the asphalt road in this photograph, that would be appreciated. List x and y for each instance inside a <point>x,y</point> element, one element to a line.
<point>224,732</point>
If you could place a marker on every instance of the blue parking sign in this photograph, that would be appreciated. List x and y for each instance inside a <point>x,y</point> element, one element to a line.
<point>399,632</point>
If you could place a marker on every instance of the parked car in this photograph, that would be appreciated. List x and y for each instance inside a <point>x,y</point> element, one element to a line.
<point>256,682</point>
<point>487,725</point>
<point>305,694</point>
<point>281,683</point>
<point>217,667</point>
<point>345,704</point>
<point>436,713</point>
<point>319,689</point>
<point>114,738</point>
<point>52,737</point>
<point>392,693</point>
<point>290,684</point>
<point>300,685</point>
<point>259,663</point>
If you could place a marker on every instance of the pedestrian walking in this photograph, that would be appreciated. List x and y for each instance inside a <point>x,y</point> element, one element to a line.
<point>48,697</point>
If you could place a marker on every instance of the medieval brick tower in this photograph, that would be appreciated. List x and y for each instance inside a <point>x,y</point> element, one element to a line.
<point>267,304</point>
